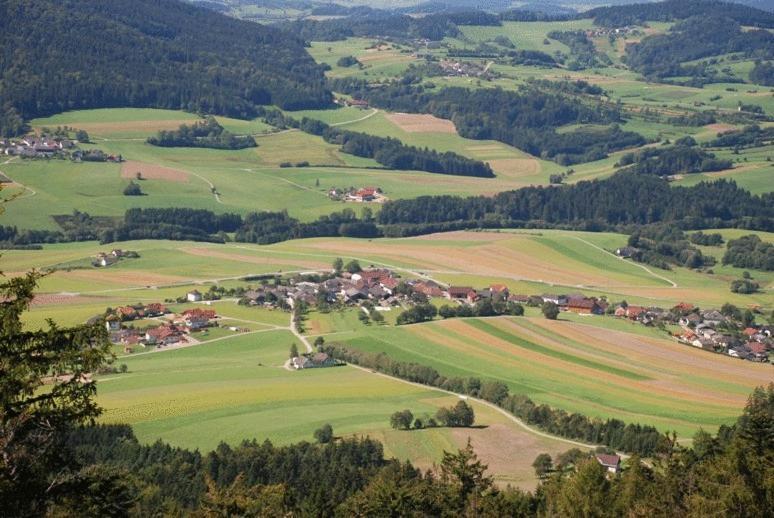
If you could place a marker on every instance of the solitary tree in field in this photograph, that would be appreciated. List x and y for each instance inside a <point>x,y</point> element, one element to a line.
<point>132,190</point>
<point>324,434</point>
<point>550,310</point>
<point>402,420</point>
<point>543,465</point>
<point>293,351</point>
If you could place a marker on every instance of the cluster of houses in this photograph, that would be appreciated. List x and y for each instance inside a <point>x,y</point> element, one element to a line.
<point>576,303</point>
<point>104,259</point>
<point>172,328</point>
<point>715,332</point>
<point>34,146</point>
<point>454,68</point>
<point>361,195</point>
<point>605,32</point>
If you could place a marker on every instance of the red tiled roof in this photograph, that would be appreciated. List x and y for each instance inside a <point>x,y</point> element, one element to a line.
<point>750,331</point>
<point>209,314</point>
<point>611,461</point>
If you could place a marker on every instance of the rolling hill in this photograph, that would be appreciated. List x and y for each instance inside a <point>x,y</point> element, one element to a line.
<point>66,55</point>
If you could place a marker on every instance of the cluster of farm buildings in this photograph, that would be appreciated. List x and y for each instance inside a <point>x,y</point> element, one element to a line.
<point>104,259</point>
<point>33,146</point>
<point>361,195</point>
<point>170,328</point>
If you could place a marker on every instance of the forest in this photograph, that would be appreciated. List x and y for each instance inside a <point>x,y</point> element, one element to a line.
<point>526,119</point>
<point>750,252</point>
<point>621,200</point>
<point>663,55</point>
<point>206,134</point>
<point>373,23</point>
<point>749,136</point>
<point>68,55</point>
<point>684,158</point>
<point>672,10</point>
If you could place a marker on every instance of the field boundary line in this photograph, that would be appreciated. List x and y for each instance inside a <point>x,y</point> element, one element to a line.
<point>674,284</point>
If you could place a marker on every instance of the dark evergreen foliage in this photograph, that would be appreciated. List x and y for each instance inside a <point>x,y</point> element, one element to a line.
<point>73,54</point>
<point>623,199</point>
<point>661,56</point>
<point>668,161</point>
<point>671,10</point>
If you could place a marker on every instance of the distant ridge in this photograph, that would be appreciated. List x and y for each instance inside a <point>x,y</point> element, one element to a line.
<point>59,55</point>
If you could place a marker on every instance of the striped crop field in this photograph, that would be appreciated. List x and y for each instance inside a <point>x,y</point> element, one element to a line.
<point>582,368</point>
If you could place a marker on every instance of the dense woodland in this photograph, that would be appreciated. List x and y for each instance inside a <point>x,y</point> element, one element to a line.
<point>750,136</point>
<point>65,55</point>
<point>750,252</point>
<point>623,199</point>
<point>663,56</point>
<point>684,158</point>
<point>207,134</point>
<point>672,10</point>
<point>527,119</point>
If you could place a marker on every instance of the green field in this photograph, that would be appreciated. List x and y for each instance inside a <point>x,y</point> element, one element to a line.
<point>237,389</point>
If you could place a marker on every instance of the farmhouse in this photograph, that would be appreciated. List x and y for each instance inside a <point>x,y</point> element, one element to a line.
<point>193,296</point>
<point>164,335</point>
<point>198,318</point>
<point>427,288</point>
<point>584,306</point>
<point>612,463</point>
<point>314,361</point>
<point>462,293</point>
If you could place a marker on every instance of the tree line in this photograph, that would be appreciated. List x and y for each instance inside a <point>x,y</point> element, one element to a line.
<point>634,438</point>
<point>206,134</point>
<point>672,10</point>
<point>618,201</point>
<point>683,158</point>
<point>461,415</point>
<point>148,53</point>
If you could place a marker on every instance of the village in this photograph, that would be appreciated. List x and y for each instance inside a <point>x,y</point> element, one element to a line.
<point>374,291</point>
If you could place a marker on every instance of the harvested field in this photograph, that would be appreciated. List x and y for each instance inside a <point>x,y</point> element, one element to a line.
<point>130,168</point>
<point>416,123</point>
<point>515,167</point>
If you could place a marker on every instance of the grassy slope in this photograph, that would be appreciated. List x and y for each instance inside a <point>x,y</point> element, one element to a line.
<point>237,389</point>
